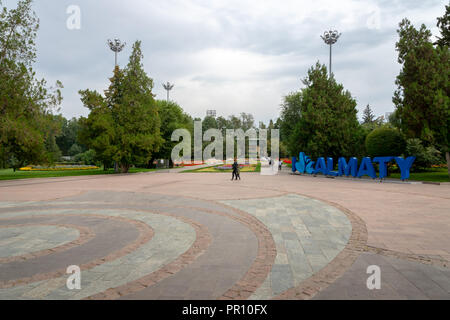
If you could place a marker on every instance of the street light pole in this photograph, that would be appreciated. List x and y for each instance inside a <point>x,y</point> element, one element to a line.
<point>330,37</point>
<point>116,46</point>
<point>168,86</point>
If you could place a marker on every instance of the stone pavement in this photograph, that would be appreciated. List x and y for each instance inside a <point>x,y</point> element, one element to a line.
<point>172,235</point>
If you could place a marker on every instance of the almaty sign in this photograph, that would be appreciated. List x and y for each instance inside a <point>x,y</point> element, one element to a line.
<point>305,165</point>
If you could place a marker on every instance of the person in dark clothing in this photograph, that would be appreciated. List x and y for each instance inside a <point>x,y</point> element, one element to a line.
<point>235,175</point>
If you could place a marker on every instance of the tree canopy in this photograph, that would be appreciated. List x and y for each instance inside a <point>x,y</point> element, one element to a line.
<point>320,119</point>
<point>422,96</point>
<point>124,125</point>
<point>26,103</point>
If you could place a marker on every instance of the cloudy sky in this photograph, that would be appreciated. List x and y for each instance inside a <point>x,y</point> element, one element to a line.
<point>233,56</point>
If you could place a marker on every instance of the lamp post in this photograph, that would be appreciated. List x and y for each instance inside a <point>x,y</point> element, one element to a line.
<point>116,46</point>
<point>168,86</point>
<point>330,37</point>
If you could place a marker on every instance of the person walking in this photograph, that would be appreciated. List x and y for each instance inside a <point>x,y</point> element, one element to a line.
<point>235,175</point>
<point>280,163</point>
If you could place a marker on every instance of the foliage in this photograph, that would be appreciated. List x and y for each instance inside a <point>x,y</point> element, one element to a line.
<point>385,141</point>
<point>368,115</point>
<point>425,156</point>
<point>423,87</point>
<point>74,150</point>
<point>444,27</point>
<point>26,130</point>
<point>69,136</point>
<point>172,118</point>
<point>321,119</point>
<point>124,125</point>
<point>87,157</point>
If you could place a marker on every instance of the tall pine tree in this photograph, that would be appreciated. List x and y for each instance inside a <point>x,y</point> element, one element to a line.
<point>423,87</point>
<point>368,116</point>
<point>124,125</point>
<point>326,123</point>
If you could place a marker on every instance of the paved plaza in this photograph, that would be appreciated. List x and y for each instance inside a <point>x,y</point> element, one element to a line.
<point>173,235</point>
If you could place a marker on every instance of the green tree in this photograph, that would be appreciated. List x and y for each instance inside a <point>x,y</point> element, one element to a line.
<point>368,115</point>
<point>172,118</point>
<point>124,126</point>
<point>222,123</point>
<point>321,119</point>
<point>425,157</point>
<point>444,27</point>
<point>248,121</point>
<point>26,103</point>
<point>423,87</point>
<point>69,135</point>
<point>291,109</point>
<point>209,123</point>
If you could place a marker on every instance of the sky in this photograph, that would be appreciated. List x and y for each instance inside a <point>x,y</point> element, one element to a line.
<point>231,56</point>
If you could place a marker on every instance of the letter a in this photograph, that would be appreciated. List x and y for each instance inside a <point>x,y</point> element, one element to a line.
<point>374,281</point>
<point>74,280</point>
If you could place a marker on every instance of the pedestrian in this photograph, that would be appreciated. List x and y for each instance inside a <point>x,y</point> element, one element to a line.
<point>280,163</point>
<point>235,175</point>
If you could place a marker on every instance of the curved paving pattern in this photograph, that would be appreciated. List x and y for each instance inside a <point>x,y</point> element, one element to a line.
<point>308,235</point>
<point>192,254</point>
<point>22,240</point>
<point>114,257</point>
<point>150,236</point>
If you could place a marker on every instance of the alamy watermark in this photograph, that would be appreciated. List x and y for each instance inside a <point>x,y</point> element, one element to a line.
<point>235,143</point>
<point>374,280</point>
<point>73,22</point>
<point>74,280</point>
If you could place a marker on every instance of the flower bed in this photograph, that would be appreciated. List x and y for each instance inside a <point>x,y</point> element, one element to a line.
<point>58,168</point>
<point>229,166</point>
<point>191,164</point>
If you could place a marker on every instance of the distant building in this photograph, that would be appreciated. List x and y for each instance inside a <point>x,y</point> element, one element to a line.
<point>211,113</point>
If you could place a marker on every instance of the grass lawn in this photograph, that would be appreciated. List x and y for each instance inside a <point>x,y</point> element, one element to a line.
<point>9,174</point>
<point>433,175</point>
<point>214,169</point>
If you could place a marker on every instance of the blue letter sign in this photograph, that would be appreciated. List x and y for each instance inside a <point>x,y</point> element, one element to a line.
<point>305,164</point>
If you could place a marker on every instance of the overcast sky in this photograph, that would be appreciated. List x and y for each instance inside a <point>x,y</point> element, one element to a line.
<point>232,56</point>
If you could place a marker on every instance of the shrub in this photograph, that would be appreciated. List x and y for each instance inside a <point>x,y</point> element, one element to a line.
<point>425,157</point>
<point>75,149</point>
<point>87,157</point>
<point>385,141</point>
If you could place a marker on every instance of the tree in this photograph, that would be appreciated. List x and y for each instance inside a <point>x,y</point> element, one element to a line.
<point>172,118</point>
<point>368,116</point>
<point>321,119</point>
<point>222,123</point>
<point>425,157</point>
<point>209,122</point>
<point>422,96</point>
<point>248,121</point>
<point>234,122</point>
<point>444,27</point>
<point>289,117</point>
<point>26,103</point>
<point>124,125</point>
<point>69,135</point>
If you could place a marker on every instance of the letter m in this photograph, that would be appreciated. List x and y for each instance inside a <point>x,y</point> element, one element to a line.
<point>348,168</point>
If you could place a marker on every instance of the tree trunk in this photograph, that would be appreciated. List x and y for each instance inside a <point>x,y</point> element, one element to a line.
<point>124,168</point>
<point>447,156</point>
